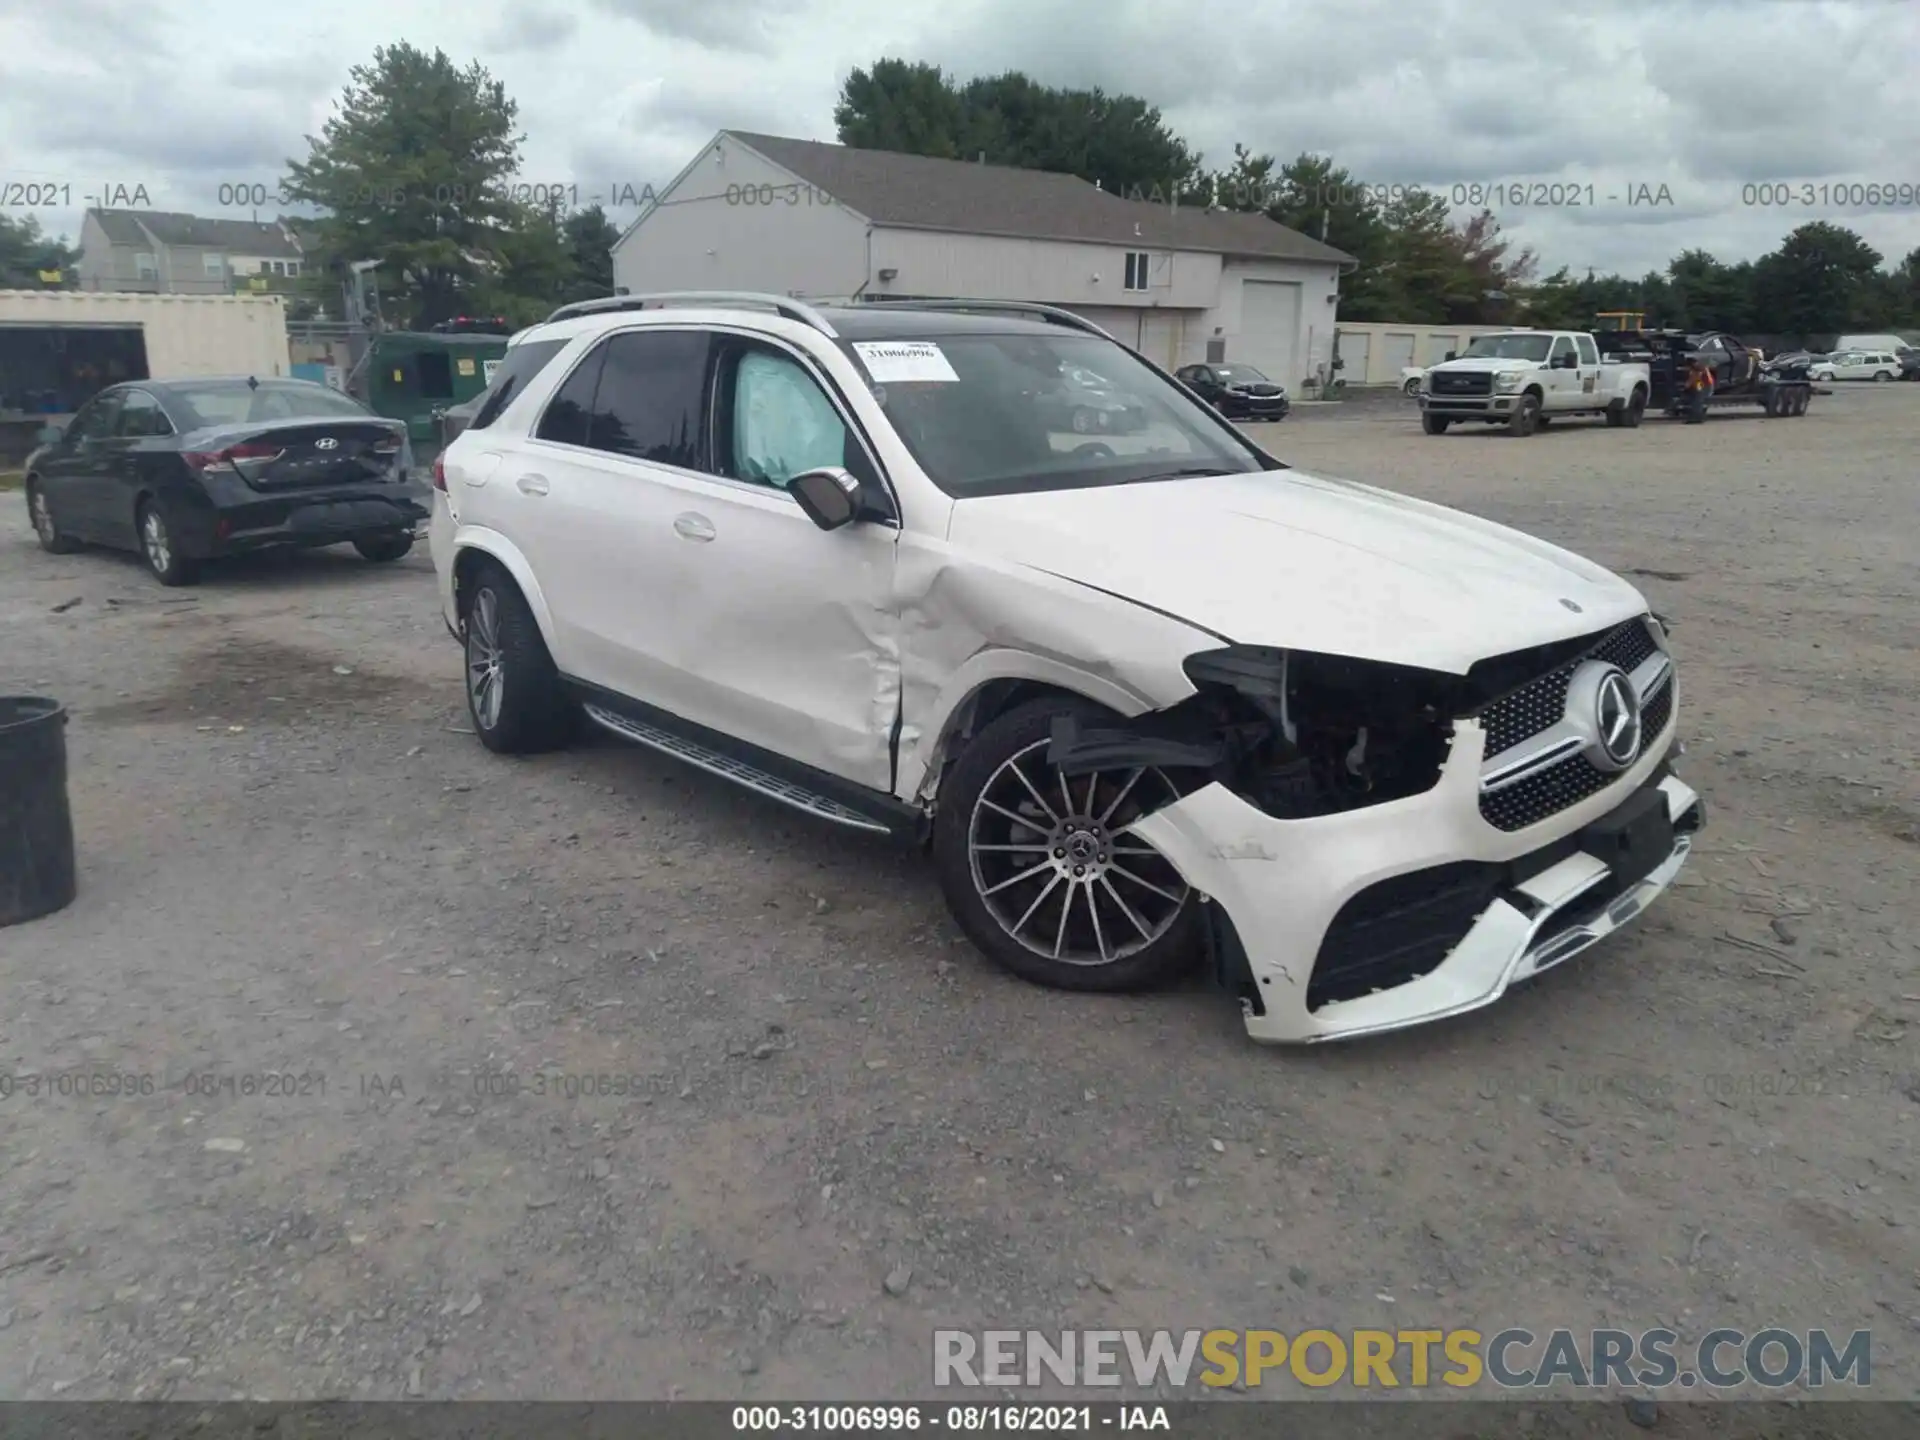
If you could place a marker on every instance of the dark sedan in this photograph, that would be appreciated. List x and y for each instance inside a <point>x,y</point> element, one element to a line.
<point>1237,391</point>
<point>186,470</point>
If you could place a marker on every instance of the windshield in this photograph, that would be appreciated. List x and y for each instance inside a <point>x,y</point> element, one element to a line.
<point>988,414</point>
<point>1240,375</point>
<point>234,403</point>
<point>1509,347</point>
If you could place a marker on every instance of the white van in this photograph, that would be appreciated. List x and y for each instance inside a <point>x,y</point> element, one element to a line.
<point>1871,342</point>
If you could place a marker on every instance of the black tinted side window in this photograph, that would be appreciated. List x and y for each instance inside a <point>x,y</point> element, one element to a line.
<point>521,364</point>
<point>569,411</point>
<point>650,403</point>
<point>96,421</point>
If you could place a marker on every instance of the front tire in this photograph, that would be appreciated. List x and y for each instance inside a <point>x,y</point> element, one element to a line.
<point>514,697</point>
<point>1410,389</point>
<point>1434,424</point>
<point>382,549</point>
<point>1042,872</point>
<point>46,529</point>
<point>160,549</point>
<point>1526,417</point>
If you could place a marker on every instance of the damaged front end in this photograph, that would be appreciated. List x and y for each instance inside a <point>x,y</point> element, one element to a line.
<point>1298,735</point>
<point>1295,734</point>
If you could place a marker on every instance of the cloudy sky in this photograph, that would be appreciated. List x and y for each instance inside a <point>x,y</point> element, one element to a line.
<point>1707,98</point>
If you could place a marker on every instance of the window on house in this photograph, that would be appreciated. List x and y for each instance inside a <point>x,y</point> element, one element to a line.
<point>216,265</point>
<point>292,268</point>
<point>1136,270</point>
<point>144,267</point>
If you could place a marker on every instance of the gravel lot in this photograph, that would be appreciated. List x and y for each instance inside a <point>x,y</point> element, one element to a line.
<point>842,1127</point>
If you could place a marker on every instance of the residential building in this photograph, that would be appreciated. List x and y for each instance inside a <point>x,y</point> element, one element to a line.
<point>1181,284</point>
<point>165,252</point>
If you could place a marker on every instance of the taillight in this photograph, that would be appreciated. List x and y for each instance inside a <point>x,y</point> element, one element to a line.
<point>439,472</point>
<point>230,458</point>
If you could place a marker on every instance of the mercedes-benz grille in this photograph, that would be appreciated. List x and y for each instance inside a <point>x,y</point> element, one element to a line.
<point>1541,758</point>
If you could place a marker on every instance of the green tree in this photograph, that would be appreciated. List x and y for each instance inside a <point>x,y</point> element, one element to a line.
<point>1118,141</point>
<point>410,170</point>
<point>900,106</point>
<point>590,241</point>
<point>1816,282</point>
<point>27,255</point>
<point>1708,295</point>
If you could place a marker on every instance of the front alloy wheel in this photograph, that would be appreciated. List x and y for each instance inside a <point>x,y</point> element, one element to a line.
<point>1044,871</point>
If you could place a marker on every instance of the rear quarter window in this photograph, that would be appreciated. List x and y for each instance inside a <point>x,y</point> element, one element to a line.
<point>522,363</point>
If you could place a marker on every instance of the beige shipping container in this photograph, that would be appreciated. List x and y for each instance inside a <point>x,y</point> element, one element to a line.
<point>186,335</point>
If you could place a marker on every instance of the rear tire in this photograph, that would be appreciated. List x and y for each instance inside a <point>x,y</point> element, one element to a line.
<point>1010,882</point>
<point>1434,424</point>
<point>1881,377</point>
<point>384,548</point>
<point>514,697</point>
<point>1636,410</point>
<point>160,549</point>
<point>46,529</point>
<point>1411,388</point>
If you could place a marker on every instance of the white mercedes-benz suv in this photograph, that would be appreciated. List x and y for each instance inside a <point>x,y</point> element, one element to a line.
<point>1147,697</point>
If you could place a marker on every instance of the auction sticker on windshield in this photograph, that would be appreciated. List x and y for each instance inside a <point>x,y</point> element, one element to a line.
<point>904,362</point>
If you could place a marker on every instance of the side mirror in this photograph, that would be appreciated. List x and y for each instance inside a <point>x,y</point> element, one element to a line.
<point>1452,354</point>
<point>830,496</point>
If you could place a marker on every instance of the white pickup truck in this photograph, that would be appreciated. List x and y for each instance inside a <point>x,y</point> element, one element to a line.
<point>1523,379</point>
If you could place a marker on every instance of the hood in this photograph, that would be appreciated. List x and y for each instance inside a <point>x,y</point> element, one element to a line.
<point>1478,364</point>
<point>1288,559</point>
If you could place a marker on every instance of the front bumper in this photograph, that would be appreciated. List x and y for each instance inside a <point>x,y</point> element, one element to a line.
<point>1256,409</point>
<point>1469,407</point>
<point>1283,883</point>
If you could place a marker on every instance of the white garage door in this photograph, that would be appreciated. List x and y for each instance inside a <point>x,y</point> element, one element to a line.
<point>1398,352</point>
<point>1160,335</point>
<point>1269,329</point>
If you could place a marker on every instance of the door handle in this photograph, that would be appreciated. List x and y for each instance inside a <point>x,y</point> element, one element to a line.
<point>692,526</point>
<point>532,484</point>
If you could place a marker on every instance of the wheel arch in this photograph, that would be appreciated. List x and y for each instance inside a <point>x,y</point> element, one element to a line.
<point>987,687</point>
<point>474,546</point>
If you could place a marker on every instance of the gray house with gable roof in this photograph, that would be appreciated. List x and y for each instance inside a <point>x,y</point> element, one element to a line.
<point>164,252</point>
<point>821,221</point>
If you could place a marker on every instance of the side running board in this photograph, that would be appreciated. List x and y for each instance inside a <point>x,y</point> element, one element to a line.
<point>728,768</point>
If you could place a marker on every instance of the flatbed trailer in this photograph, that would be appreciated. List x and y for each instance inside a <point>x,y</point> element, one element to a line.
<point>1741,377</point>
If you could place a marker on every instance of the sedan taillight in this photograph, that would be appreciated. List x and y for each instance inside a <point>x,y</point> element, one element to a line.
<point>439,473</point>
<point>229,459</point>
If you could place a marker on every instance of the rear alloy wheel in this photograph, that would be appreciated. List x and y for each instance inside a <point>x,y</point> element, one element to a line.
<point>1434,424</point>
<point>383,548</point>
<point>160,550</point>
<point>513,690</point>
<point>51,539</point>
<point>1043,871</point>
<point>1411,388</point>
<point>1526,417</point>
<point>1880,377</point>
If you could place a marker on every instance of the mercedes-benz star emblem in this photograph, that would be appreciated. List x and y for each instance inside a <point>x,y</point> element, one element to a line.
<point>1616,716</point>
<point>1602,702</point>
<point>326,444</point>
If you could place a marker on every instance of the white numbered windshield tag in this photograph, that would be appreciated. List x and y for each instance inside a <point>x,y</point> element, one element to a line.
<point>904,362</point>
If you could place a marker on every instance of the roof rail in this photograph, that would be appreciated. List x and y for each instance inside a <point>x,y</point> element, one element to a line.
<point>1053,314</point>
<point>723,299</point>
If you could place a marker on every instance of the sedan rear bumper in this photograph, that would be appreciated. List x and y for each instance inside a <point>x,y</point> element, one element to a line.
<point>239,518</point>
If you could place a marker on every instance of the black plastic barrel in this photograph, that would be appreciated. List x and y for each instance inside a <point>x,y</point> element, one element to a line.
<point>36,827</point>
